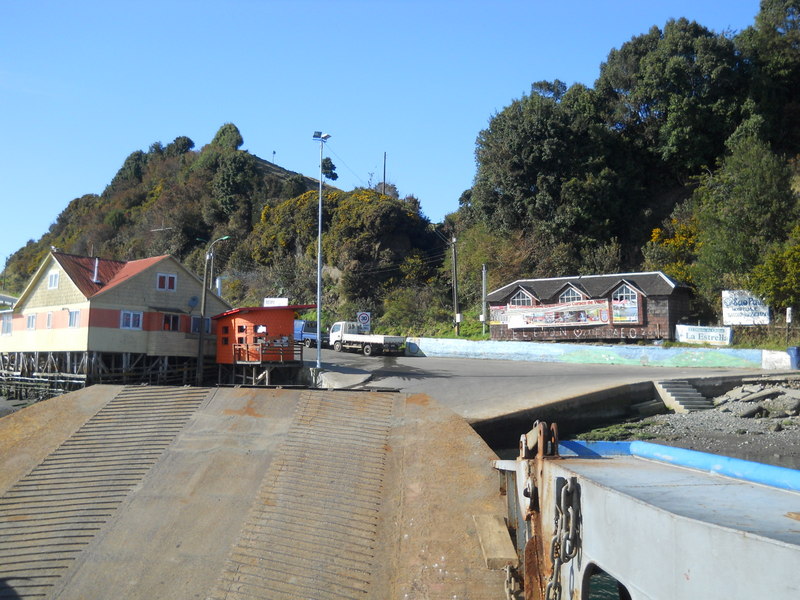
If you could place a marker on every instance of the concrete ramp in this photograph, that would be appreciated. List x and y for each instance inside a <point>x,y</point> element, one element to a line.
<point>143,492</point>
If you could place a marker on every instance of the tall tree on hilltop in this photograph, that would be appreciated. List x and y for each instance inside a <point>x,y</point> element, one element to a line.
<point>228,138</point>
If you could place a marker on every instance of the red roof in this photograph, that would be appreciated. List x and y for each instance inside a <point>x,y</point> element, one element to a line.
<point>110,273</point>
<point>248,309</point>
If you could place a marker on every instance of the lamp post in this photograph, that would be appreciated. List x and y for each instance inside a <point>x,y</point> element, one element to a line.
<point>321,138</point>
<point>202,325</point>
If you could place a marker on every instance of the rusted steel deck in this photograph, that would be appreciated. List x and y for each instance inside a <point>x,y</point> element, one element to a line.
<point>143,492</point>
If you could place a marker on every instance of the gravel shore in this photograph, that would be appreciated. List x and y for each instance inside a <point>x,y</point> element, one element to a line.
<point>758,422</point>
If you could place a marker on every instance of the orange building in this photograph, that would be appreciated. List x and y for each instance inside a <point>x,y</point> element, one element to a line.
<point>258,339</point>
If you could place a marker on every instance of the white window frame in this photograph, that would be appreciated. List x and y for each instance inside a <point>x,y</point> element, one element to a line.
<point>625,293</point>
<point>30,322</point>
<point>52,280</point>
<point>131,316</point>
<point>520,299</point>
<point>168,277</point>
<point>570,295</point>
<point>49,320</point>
<point>6,324</point>
<point>74,319</point>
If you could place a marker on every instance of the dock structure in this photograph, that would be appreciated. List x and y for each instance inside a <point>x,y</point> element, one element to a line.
<point>178,492</point>
<point>650,521</point>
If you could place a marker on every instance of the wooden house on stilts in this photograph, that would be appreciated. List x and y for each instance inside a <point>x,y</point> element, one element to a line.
<point>85,320</point>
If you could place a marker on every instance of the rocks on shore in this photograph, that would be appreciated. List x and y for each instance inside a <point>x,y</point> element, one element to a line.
<point>755,421</point>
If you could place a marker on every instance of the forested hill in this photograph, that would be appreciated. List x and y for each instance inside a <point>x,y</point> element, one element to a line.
<point>681,157</point>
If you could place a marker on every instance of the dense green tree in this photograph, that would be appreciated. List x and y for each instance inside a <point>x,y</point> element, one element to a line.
<point>675,93</point>
<point>743,208</point>
<point>522,158</point>
<point>772,48</point>
<point>777,279</point>
<point>228,137</point>
<point>130,174</point>
<point>233,181</point>
<point>180,145</point>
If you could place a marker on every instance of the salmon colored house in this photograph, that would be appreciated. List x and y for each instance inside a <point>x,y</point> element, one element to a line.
<point>257,339</point>
<point>106,320</point>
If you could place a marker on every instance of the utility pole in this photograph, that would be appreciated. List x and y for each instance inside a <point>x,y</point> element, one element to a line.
<point>483,297</point>
<point>455,288</point>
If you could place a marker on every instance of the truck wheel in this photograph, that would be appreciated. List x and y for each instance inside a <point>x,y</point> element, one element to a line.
<point>368,350</point>
<point>307,343</point>
<point>337,346</point>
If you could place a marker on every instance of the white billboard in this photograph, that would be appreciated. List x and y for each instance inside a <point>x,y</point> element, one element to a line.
<point>740,307</point>
<point>276,302</point>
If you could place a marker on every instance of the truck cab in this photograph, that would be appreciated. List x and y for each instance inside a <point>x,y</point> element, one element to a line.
<point>305,332</point>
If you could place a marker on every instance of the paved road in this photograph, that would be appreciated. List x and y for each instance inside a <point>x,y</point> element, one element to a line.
<point>479,389</point>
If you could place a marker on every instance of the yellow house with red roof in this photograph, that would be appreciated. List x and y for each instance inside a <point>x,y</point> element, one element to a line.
<point>93,315</point>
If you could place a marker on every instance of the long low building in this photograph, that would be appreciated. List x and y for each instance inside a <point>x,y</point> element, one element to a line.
<point>616,307</point>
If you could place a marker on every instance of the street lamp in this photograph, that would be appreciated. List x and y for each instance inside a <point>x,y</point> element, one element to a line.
<point>202,326</point>
<point>321,138</point>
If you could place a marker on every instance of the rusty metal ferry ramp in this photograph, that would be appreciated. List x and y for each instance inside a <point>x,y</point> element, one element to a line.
<point>162,492</point>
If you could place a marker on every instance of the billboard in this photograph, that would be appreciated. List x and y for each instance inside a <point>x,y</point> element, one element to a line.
<point>740,307</point>
<point>567,314</point>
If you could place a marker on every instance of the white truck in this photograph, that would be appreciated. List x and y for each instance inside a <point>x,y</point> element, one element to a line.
<point>345,335</point>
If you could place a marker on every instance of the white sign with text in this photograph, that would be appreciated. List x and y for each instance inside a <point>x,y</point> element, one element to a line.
<point>715,336</point>
<point>740,307</point>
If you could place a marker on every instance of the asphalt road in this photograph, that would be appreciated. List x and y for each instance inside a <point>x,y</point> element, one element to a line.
<point>479,389</point>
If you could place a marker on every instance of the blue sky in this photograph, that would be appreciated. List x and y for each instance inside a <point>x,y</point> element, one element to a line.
<point>83,84</point>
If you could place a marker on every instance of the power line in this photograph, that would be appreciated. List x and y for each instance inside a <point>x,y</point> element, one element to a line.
<point>341,160</point>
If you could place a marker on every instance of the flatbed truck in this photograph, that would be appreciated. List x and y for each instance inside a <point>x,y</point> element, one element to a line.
<point>346,335</point>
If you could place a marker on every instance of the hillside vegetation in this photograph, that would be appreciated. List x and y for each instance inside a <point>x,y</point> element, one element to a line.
<point>682,157</point>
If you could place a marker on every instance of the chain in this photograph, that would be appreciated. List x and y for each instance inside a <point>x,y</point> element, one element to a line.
<point>565,543</point>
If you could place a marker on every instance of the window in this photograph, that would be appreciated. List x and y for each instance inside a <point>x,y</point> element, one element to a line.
<point>6,324</point>
<point>31,322</point>
<point>570,295</point>
<point>625,294</point>
<point>520,299</point>
<point>49,320</point>
<point>172,323</point>
<point>130,319</point>
<point>75,318</point>
<point>224,341</point>
<point>625,305</point>
<point>52,280</point>
<point>196,325</point>
<point>166,282</point>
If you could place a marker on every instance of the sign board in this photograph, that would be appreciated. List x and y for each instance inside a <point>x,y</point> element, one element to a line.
<point>572,314</point>
<point>364,321</point>
<point>740,307</point>
<point>276,302</point>
<point>715,336</point>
